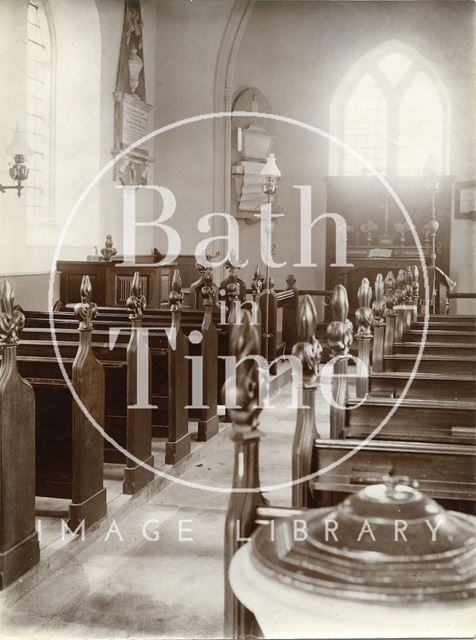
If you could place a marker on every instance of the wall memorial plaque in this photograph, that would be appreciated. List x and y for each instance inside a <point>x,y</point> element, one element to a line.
<point>131,112</point>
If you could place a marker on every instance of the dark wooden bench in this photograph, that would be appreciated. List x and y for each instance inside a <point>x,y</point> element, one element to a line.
<point>422,425</point>
<point>19,545</point>
<point>69,450</point>
<point>444,472</point>
<point>168,371</point>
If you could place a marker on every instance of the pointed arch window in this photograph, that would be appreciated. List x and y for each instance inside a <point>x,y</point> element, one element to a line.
<point>394,111</point>
<point>39,113</point>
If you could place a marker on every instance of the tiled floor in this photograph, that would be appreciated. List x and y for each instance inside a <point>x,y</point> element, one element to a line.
<point>170,585</point>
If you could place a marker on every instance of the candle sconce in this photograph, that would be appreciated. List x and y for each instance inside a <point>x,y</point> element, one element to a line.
<point>386,239</point>
<point>19,149</point>
<point>402,228</point>
<point>369,227</point>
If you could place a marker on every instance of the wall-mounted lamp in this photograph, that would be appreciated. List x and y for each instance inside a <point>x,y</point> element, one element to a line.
<point>271,173</point>
<point>19,149</point>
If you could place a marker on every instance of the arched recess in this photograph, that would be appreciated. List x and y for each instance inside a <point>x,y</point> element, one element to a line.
<point>76,126</point>
<point>357,70</point>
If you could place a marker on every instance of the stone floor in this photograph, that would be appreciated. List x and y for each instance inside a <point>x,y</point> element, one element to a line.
<point>158,571</point>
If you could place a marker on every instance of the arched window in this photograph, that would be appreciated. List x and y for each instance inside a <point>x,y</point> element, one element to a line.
<point>392,109</point>
<point>39,113</point>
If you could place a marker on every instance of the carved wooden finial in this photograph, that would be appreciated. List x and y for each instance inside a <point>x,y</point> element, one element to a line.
<point>176,293</point>
<point>364,293</point>
<point>340,330</point>
<point>400,291</point>
<point>85,311</point>
<point>408,290</point>
<point>209,289</point>
<point>389,292</point>
<point>308,349</point>
<point>244,341</point>
<point>291,281</point>
<point>136,302</point>
<point>201,263</point>
<point>12,319</point>
<point>258,282</point>
<point>232,264</point>
<point>363,315</point>
<point>108,251</point>
<point>378,307</point>
<point>233,291</point>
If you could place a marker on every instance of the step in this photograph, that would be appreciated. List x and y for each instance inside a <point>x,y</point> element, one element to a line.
<point>431,363</point>
<point>424,385</point>
<point>446,326</point>
<point>440,335</point>
<point>439,317</point>
<point>415,419</point>
<point>437,348</point>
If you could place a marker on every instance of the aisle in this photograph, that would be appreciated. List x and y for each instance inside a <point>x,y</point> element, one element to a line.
<point>165,587</point>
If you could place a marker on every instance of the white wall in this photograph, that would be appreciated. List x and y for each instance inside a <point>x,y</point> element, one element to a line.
<point>294,52</point>
<point>188,41</point>
<point>297,52</point>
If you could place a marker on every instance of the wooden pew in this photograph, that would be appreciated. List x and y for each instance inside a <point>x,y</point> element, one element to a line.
<point>444,472</point>
<point>340,334</point>
<point>162,387</point>
<point>416,419</point>
<point>438,348</point>
<point>168,421</point>
<point>208,415</point>
<point>431,363</point>
<point>438,424</point>
<point>191,320</point>
<point>19,546</point>
<point>70,451</point>
<point>439,335</point>
<point>364,319</point>
<point>129,428</point>
<point>179,442</point>
<point>308,351</point>
<point>139,419</point>
<point>390,384</point>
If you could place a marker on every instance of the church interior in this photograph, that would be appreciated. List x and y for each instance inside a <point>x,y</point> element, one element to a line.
<point>237,319</point>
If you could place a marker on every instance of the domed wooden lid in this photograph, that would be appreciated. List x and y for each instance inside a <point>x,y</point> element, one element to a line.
<point>388,542</point>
